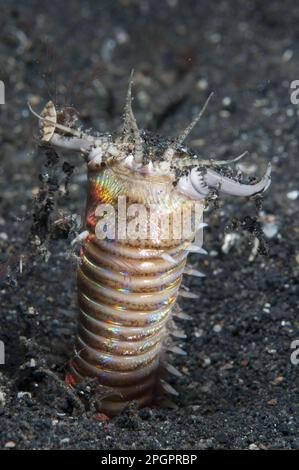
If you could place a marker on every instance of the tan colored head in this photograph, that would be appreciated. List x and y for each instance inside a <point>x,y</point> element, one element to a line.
<point>140,157</point>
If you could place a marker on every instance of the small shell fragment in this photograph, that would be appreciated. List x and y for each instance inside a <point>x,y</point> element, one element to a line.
<point>47,129</point>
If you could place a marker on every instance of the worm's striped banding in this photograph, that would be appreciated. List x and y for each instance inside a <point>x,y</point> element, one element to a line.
<point>127,293</point>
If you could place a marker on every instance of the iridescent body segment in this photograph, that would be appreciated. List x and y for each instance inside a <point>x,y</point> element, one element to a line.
<point>127,293</point>
<point>128,282</point>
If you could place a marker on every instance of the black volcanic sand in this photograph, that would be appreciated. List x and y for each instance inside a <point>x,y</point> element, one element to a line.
<point>239,388</point>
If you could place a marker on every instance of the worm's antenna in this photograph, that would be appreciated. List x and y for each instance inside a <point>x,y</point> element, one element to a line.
<point>169,153</point>
<point>130,124</point>
<point>197,118</point>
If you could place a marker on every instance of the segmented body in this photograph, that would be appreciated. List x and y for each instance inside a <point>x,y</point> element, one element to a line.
<point>127,293</point>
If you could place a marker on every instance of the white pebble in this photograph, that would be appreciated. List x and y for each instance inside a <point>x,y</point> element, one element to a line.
<point>198,333</point>
<point>290,112</point>
<point>2,398</point>
<point>24,394</point>
<point>226,101</point>
<point>10,445</point>
<point>213,253</point>
<point>270,229</point>
<point>293,195</point>
<point>202,84</point>
<point>229,241</point>
<point>32,311</point>
<point>206,362</point>
<point>66,440</point>
<point>217,328</point>
<point>3,236</point>
<point>287,55</point>
<point>32,363</point>
<point>121,36</point>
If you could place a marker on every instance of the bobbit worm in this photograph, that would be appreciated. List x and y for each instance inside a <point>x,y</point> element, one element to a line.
<point>132,267</point>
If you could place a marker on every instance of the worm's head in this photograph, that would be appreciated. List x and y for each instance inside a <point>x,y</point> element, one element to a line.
<point>136,157</point>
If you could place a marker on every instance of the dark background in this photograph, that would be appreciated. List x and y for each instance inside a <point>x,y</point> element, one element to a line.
<point>239,388</point>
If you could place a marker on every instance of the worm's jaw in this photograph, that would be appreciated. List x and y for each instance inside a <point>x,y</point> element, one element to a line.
<point>132,151</point>
<point>199,182</point>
